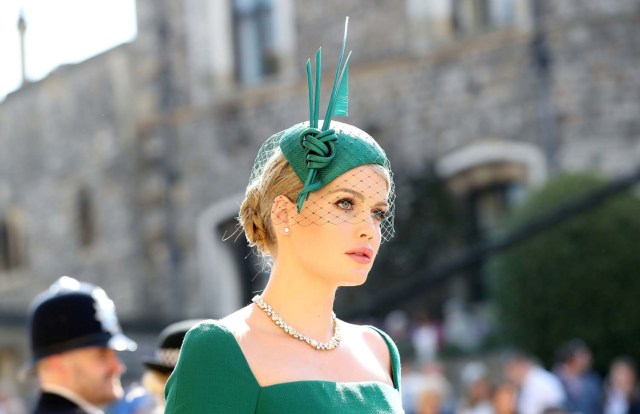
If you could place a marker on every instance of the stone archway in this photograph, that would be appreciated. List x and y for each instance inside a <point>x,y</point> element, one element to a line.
<point>489,178</point>
<point>218,270</point>
<point>506,156</point>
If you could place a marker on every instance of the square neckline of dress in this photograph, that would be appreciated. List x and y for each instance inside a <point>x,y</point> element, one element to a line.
<point>247,367</point>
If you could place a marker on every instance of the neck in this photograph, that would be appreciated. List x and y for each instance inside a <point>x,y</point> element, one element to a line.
<point>304,302</point>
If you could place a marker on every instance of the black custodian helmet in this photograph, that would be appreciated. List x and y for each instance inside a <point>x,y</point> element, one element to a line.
<point>169,344</point>
<point>73,314</point>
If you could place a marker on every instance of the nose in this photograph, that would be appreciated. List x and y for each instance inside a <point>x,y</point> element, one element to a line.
<point>367,226</point>
<point>121,367</point>
<point>116,363</point>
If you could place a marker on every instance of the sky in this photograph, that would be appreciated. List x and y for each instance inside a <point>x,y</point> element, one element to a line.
<point>59,32</point>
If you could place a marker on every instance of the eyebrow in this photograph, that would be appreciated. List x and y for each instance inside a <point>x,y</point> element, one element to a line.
<point>358,195</point>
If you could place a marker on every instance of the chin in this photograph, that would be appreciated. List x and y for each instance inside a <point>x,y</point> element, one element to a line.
<point>116,393</point>
<point>355,280</point>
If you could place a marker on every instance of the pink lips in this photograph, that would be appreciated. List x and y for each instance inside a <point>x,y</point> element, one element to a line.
<point>361,255</point>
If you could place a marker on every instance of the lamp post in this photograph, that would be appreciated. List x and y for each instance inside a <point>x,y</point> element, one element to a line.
<point>22,28</point>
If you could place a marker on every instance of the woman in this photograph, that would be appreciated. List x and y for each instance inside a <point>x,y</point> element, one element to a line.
<point>621,392</point>
<point>317,206</point>
<point>161,365</point>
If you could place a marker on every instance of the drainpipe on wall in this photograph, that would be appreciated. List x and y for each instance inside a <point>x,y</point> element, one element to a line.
<point>543,63</point>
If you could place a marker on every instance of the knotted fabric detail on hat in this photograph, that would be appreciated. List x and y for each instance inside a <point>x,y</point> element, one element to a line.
<point>319,149</point>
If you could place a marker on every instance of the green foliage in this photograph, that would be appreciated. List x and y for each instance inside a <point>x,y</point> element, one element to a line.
<point>578,279</point>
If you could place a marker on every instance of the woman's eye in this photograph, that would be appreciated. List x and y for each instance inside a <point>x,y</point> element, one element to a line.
<point>380,215</point>
<point>345,204</point>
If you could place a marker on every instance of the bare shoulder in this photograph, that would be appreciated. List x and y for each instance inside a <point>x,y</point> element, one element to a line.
<point>237,322</point>
<point>371,339</point>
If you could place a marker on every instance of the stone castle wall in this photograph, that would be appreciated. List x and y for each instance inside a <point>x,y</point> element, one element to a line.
<point>103,122</point>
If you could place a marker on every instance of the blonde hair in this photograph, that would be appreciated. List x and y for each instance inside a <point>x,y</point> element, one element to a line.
<point>277,178</point>
<point>155,381</point>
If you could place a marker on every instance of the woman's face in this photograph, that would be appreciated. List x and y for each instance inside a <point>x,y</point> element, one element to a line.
<point>337,234</point>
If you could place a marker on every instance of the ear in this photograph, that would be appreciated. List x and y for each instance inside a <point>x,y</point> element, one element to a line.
<point>51,364</point>
<point>282,211</point>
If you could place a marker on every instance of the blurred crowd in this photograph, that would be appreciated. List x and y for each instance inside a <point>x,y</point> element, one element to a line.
<point>74,334</point>
<point>505,382</point>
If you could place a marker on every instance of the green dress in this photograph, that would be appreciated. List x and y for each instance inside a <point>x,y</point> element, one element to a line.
<point>213,376</point>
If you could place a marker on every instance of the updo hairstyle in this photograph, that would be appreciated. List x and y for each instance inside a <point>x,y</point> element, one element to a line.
<point>277,178</point>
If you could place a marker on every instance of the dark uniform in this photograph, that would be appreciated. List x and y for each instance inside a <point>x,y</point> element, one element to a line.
<point>50,403</point>
<point>68,316</point>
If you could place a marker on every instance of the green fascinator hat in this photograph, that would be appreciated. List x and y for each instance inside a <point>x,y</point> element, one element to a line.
<point>321,150</point>
<point>319,156</point>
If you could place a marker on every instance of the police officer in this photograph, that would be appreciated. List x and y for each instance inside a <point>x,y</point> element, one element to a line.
<point>148,398</point>
<point>74,336</point>
<point>160,367</point>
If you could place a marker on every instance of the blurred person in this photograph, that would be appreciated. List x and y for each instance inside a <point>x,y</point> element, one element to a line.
<point>621,395</point>
<point>538,389</point>
<point>74,336</point>
<point>459,329</point>
<point>397,325</point>
<point>582,386</point>
<point>476,388</point>
<point>504,398</point>
<point>318,205</point>
<point>434,393</point>
<point>137,400</point>
<point>412,380</point>
<point>425,338</point>
<point>165,359</point>
<point>147,397</point>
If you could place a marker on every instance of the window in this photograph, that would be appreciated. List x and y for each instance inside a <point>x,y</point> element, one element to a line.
<point>469,15</point>
<point>472,16</point>
<point>486,208</point>
<point>253,35</point>
<point>489,190</point>
<point>489,206</point>
<point>86,228</point>
<point>502,12</point>
<point>11,243</point>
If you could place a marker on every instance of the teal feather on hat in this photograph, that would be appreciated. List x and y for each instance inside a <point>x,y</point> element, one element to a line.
<point>319,155</point>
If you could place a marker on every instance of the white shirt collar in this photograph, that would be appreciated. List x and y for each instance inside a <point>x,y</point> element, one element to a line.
<point>73,397</point>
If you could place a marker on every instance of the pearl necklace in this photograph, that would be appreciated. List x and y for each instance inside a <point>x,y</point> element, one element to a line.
<point>320,346</point>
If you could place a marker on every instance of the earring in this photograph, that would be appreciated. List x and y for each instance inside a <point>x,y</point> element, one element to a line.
<point>286,229</point>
